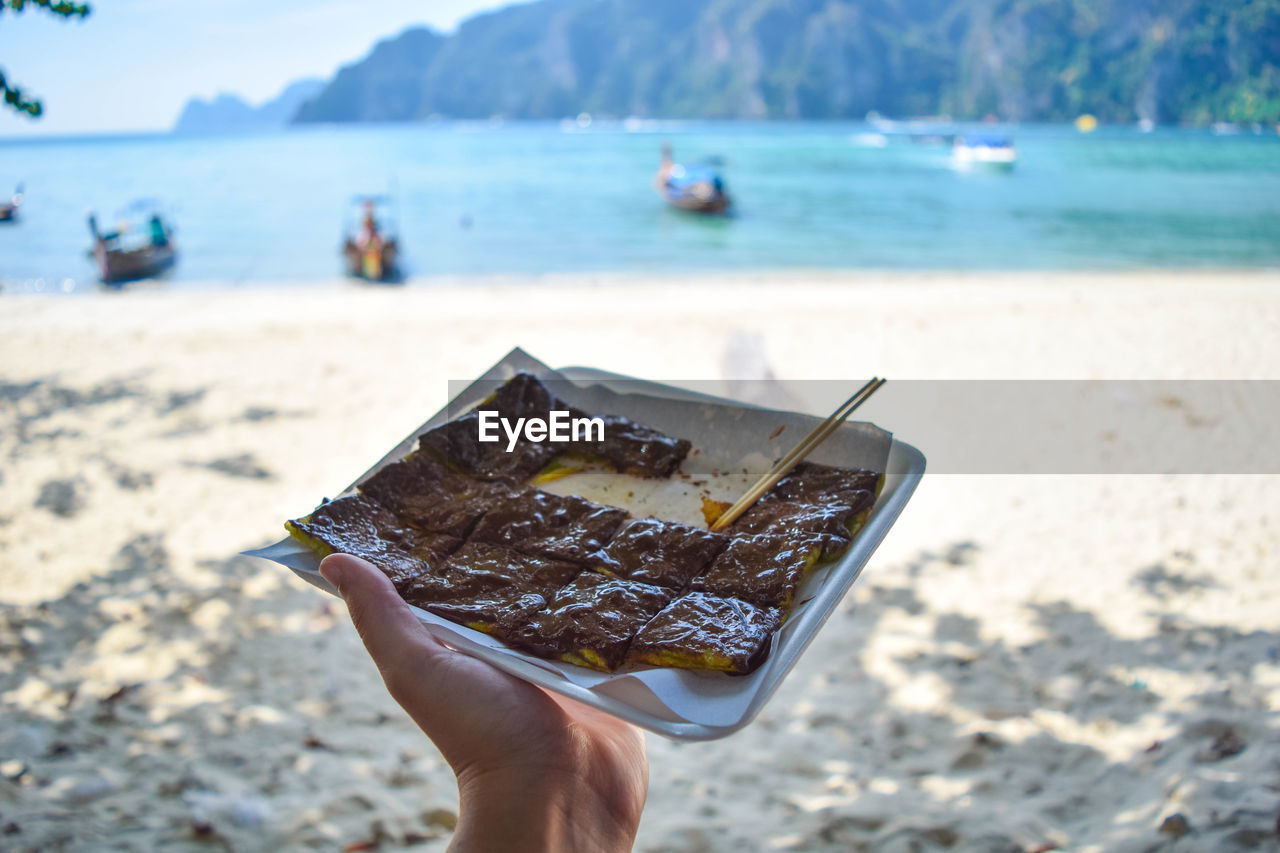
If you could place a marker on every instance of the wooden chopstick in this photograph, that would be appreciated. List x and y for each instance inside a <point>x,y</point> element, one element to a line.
<point>824,429</point>
<point>784,465</point>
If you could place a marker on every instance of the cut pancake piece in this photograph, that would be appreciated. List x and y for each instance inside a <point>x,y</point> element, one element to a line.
<point>490,588</point>
<point>764,569</point>
<point>819,484</point>
<point>526,396</point>
<point>591,621</point>
<point>478,602</point>
<point>834,524</point>
<point>701,631</point>
<point>522,397</point>
<point>661,552</point>
<point>500,564</point>
<point>625,445</point>
<point>562,527</point>
<point>458,444</point>
<point>633,448</point>
<point>361,527</point>
<point>424,493</point>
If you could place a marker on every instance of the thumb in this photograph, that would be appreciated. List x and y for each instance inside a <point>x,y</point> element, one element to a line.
<point>405,652</point>
<point>458,701</point>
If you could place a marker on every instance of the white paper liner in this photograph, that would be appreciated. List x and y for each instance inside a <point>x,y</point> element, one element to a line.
<point>728,437</point>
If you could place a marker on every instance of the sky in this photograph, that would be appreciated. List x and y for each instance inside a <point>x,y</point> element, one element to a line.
<point>132,64</point>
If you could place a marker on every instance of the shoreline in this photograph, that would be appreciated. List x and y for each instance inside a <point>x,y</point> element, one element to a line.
<point>919,325</point>
<point>636,278</point>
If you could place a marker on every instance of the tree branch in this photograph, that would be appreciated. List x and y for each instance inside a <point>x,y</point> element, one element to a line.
<point>56,7</point>
<point>14,97</point>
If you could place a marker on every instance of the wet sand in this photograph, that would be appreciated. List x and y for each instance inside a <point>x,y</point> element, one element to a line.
<point>1028,663</point>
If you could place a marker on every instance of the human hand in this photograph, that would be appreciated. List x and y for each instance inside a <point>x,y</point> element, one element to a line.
<point>536,771</point>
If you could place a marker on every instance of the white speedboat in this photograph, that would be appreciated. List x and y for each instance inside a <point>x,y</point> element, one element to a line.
<point>987,150</point>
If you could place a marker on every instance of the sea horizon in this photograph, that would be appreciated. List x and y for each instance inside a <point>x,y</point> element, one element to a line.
<point>643,124</point>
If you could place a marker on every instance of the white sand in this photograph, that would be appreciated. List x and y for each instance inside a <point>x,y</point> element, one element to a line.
<point>1028,663</point>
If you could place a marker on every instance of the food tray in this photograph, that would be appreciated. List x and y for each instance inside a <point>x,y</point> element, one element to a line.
<point>682,705</point>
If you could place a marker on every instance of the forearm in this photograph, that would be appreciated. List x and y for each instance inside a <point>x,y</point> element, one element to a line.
<point>547,813</point>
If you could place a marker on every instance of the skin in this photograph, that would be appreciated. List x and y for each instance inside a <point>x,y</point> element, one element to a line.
<point>535,771</point>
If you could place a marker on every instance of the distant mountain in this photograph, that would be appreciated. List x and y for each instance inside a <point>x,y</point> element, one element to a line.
<point>227,113</point>
<point>385,86</point>
<point>1167,60</point>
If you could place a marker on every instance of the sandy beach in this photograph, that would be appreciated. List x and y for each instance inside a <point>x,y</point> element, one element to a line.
<point>1076,663</point>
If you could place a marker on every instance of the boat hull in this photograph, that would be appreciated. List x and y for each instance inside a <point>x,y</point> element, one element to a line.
<point>116,266</point>
<point>992,159</point>
<point>379,266</point>
<point>717,204</point>
<point>695,189</point>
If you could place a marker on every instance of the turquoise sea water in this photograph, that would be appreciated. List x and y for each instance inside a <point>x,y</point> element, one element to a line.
<point>537,198</point>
